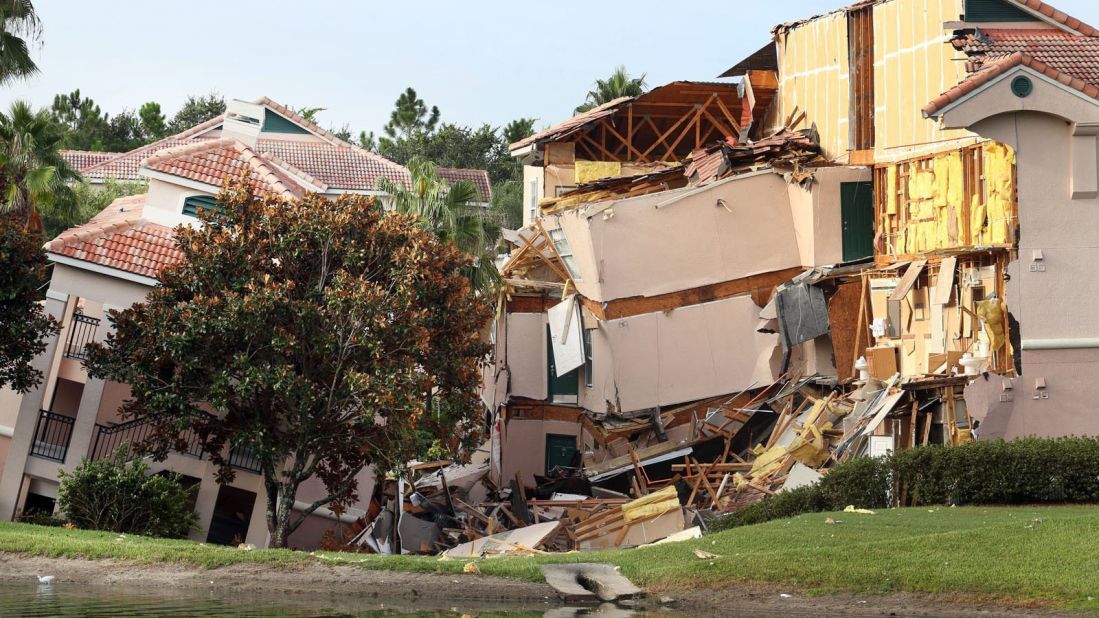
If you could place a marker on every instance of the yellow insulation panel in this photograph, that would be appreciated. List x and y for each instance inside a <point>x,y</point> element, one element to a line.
<point>925,207</point>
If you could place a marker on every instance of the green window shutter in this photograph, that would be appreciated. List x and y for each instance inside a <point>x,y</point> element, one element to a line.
<point>192,204</point>
<point>566,388</point>
<point>560,451</point>
<point>274,123</point>
<point>995,10</point>
<point>857,219</point>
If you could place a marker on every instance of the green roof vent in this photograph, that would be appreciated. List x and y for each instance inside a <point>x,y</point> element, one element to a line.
<point>1022,86</point>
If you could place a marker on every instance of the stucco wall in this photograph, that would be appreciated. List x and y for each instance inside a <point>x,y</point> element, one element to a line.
<point>524,446</point>
<point>526,355</point>
<point>730,230</point>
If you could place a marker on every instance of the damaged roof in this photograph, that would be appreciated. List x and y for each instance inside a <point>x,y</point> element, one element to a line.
<point>1076,56</point>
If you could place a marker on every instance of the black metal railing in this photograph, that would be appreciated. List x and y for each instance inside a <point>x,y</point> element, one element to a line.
<point>52,436</point>
<point>242,458</point>
<point>81,333</point>
<point>132,434</point>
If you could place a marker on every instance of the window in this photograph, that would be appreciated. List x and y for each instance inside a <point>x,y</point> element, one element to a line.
<point>588,364</point>
<point>533,200</point>
<point>192,204</point>
<point>561,245</point>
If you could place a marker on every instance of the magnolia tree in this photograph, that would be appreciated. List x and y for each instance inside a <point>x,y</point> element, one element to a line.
<point>24,325</point>
<point>323,336</point>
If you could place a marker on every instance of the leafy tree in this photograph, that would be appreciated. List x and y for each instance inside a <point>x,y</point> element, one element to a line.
<point>228,344</point>
<point>618,85</point>
<point>154,125</point>
<point>26,325</point>
<point>448,211</point>
<point>410,115</point>
<point>518,129</point>
<point>119,496</point>
<point>309,113</point>
<point>18,23</point>
<point>196,110</point>
<point>88,201</point>
<point>84,123</point>
<point>124,132</point>
<point>33,175</point>
<point>507,201</point>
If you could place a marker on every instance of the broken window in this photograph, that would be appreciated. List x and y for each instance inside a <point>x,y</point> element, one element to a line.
<point>860,57</point>
<point>588,364</point>
<point>561,245</point>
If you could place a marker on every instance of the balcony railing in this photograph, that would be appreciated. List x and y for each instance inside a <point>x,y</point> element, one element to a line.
<point>243,459</point>
<point>131,434</point>
<point>52,436</point>
<point>81,333</point>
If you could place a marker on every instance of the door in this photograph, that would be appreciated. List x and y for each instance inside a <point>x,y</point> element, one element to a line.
<point>560,451</point>
<point>857,216</point>
<point>564,389</point>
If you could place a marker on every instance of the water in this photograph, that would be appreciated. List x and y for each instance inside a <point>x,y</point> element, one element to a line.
<point>18,600</point>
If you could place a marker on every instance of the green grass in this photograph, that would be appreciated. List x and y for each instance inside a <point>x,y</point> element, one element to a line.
<point>1045,554</point>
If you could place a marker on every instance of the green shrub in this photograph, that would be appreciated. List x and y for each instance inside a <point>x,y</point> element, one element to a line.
<point>42,519</point>
<point>1026,471</point>
<point>111,494</point>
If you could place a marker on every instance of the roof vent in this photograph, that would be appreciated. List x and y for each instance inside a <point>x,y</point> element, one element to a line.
<point>1021,86</point>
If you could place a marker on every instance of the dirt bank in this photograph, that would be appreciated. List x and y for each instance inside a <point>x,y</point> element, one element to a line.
<point>350,588</point>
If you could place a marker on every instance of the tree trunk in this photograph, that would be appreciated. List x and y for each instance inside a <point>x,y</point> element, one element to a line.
<point>284,510</point>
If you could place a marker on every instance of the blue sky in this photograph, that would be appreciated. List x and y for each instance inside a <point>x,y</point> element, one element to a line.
<point>479,61</point>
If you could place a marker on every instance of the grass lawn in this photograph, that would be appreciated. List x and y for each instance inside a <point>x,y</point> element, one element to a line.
<point>1022,553</point>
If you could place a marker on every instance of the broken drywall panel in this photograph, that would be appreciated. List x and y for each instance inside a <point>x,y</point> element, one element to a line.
<point>908,280</point>
<point>565,335</point>
<point>526,355</point>
<point>945,281</point>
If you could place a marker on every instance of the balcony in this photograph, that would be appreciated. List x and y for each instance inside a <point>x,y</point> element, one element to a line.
<point>52,436</point>
<point>131,434</point>
<point>81,333</point>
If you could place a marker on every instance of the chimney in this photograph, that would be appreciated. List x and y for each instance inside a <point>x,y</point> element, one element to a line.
<point>243,121</point>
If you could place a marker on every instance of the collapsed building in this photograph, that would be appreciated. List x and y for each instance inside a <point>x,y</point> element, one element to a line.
<point>727,287</point>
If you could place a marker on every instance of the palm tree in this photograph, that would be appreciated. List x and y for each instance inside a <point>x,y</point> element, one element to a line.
<point>618,85</point>
<point>18,19</point>
<point>451,213</point>
<point>33,176</point>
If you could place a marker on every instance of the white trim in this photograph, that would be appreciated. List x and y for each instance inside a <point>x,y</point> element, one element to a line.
<point>1011,72</point>
<point>1080,343</point>
<point>6,431</point>
<point>102,270</point>
<point>58,296</point>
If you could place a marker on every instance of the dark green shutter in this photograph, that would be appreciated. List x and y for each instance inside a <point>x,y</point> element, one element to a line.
<point>274,123</point>
<point>567,385</point>
<point>995,10</point>
<point>857,216</point>
<point>192,204</point>
<point>560,451</point>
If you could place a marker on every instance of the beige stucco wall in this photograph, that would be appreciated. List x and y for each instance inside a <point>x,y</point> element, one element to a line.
<point>690,353</point>
<point>524,446</point>
<point>1055,301</point>
<point>653,245</point>
<point>526,355</point>
<point>816,214</point>
<point>104,289</point>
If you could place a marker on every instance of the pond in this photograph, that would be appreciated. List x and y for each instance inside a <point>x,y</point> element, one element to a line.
<point>63,599</point>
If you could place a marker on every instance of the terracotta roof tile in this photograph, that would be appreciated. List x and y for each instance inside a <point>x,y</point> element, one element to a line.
<point>338,166</point>
<point>80,160</point>
<point>212,161</point>
<point>993,69</point>
<point>119,238</point>
<point>479,178</point>
<point>1077,56</point>
<point>1058,16</point>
